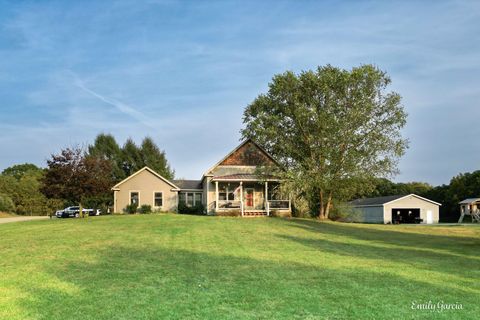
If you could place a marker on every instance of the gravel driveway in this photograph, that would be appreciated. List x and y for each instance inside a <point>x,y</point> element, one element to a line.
<point>17,219</point>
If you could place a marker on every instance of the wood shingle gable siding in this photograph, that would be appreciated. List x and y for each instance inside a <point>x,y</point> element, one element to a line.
<point>249,154</point>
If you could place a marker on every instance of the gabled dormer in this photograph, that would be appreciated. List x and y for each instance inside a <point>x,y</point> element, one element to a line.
<point>244,159</point>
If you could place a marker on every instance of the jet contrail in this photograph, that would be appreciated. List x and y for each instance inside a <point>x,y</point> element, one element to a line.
<point>120,106</point>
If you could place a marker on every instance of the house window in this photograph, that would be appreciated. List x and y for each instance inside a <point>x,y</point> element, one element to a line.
<point>134,197</point>
<point>230,195</point>
<point>198,198</point>
<point>189,199</point>
<point>158,199</point>
<point>222,193</point>
<point>182,197</point>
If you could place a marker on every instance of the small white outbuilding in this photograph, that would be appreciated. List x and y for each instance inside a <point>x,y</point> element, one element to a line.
<point>470,207</point>
<point>396,209</point>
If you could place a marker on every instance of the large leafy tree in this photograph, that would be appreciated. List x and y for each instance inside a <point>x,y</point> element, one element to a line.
<point>20,170</point>
<point>333,130</point>
<point>75,177</point>
<point>21,183</point>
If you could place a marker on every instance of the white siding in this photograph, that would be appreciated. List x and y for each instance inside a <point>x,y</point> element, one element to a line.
<point>412,202</point>
<point>383,213</point>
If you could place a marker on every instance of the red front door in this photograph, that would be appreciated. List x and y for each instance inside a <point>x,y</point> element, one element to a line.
<point>248,198</point>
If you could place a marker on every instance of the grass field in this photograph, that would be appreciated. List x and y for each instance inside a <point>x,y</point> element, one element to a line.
<point>174,266</point>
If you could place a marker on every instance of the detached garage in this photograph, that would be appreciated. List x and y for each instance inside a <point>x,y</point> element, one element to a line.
<point>396,209</point>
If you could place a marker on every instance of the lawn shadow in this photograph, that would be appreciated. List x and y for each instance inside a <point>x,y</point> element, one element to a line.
<point>155,282</point>
<point>390,235</point>
<point>387,256</point>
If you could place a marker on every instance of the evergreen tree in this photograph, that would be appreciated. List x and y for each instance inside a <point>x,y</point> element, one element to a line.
<point>155,158</point>
<point>131,158</point>
<point>106,147</point>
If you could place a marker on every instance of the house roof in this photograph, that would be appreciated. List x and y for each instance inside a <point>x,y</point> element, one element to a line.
<point>238,147</point>
<point>380,201</point>
<point>243,177</point>
<point>188,184</point>
<point>374,201</point>
<point>140,171</point>
<point>469,201</point>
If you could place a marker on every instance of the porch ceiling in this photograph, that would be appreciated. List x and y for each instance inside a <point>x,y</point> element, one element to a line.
<point>244,177</point>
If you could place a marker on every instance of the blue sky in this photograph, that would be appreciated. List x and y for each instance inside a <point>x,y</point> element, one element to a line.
<point>182,72</point>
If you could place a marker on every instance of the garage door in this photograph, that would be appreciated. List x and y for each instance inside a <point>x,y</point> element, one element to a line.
<point>402,215</point>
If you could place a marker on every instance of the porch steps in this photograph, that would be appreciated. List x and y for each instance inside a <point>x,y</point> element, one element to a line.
<point>476,216</point>
<point>254,214</point>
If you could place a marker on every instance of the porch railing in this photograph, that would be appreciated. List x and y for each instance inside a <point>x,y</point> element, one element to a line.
<point>278,204</point>
<point>239,205</point>
<point>229,204</point>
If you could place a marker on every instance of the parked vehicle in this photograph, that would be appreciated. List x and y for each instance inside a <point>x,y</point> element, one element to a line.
<point>74,212</point>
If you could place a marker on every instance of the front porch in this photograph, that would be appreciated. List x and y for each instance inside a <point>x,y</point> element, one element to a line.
<point>249,198</point>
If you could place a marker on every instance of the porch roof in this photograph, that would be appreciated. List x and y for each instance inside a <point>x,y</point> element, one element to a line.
<point>469,201</point>
<point>244,177</point>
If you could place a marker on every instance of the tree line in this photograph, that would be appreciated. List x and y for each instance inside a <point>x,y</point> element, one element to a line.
<point>78,176</point>
<point>462,186</point>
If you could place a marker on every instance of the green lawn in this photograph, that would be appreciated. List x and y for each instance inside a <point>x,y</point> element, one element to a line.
<point>174,266</point>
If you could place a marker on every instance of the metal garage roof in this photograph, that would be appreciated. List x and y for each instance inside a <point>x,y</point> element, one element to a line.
<point>375,201</point>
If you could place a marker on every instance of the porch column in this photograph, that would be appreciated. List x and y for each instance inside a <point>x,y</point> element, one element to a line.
<point>241,197</point>
<point>216,195</point>
<point>178,200</point>
<point>115,201</point>
<point>266,198</point>
<point>207,204</point>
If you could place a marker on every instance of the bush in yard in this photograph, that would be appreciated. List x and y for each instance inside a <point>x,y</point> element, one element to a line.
<point>344,213</point>
<point>6,203</point>
<point>104,209</point>
<point>196,209</point>
<point>145,208</point>
<point>131,208</point>
<point>97,202</point>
